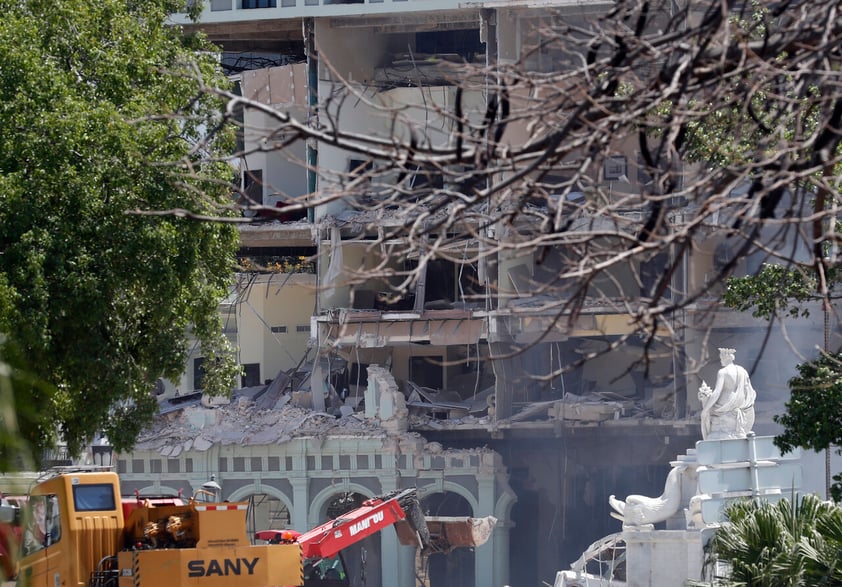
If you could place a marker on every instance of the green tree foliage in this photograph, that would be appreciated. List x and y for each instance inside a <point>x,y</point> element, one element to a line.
<point>786,543</point>
<point>813,418</point>
<point>14,451</point>
<point>775,291</point>
<point>101,117</point>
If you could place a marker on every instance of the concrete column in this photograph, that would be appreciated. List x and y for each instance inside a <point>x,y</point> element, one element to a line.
<point>317,386</point>
<point>484,559</point>
<point>502,385</point>
<point>397,562</point>
<point>500,544</point>
<point>300,513</point>
<point>390,559</point>
<point>406,566</point>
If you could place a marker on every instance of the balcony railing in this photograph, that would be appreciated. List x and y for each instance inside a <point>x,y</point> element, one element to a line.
<point>277,264</point>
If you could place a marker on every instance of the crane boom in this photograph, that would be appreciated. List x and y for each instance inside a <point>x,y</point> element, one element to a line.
<point>370,518</point>
<point>400,509</point>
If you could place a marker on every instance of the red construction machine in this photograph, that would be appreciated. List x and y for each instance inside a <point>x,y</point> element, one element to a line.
<point>323,545</point>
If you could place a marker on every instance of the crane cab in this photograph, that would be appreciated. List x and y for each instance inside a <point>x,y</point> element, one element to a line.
<point>73,521</point>
<point>76,535</point>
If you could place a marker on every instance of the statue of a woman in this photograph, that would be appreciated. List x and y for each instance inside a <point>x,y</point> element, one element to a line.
<point>728,409</point>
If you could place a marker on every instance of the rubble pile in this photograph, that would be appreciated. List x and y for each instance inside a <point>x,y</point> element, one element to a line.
<point>198,427</point>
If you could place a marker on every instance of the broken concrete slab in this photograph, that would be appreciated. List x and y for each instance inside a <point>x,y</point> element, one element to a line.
<point>384,402</point>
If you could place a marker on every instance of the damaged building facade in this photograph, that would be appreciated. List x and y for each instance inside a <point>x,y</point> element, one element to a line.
<point>299,468</point>
<point>351,390</point>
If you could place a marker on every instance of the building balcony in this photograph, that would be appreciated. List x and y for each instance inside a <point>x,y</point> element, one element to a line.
<point>369,11</point>
<point>377,329</point>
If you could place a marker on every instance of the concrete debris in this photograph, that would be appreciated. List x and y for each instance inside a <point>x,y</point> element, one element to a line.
<point>448,404</point>
<point>384,402</point>
<point>574,407</point>
<point>275,414</point>
<point>356,222</point>
<point>241,422</point>
<point>246,421</point>
<point>426,413</point>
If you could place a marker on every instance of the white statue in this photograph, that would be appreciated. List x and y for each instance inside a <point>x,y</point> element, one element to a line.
<point>728,409</point>
<point>639,510</point>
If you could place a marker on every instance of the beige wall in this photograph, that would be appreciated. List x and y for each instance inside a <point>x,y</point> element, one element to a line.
<point>277,300</point>
<point>280,299</point>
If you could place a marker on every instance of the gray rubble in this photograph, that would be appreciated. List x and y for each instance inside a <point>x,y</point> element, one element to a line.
<point>199,427</point>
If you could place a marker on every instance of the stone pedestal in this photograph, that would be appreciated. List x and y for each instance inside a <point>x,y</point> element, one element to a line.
<point>701,485</point>
<point>663,558</point>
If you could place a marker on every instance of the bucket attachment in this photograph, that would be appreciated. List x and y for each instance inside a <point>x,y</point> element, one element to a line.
<point>439,534</point>
<point>447,533</point>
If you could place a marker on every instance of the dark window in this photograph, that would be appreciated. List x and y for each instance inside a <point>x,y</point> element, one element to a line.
<point>651,273</point>
<point>188,465</point>
<point>252,190</point>
<point>643,176</point>
<point>464,42</point>
<point>198,372</point>
<point>440,285</point>
<point>358,374</point>
<point>274,463</point>
<point>155,466</point>
<point>97,497</point>
<point>427,371</point>
<point>251,374</point>
<point>248,4</point>
<point>238,118</point>
<point>173,466</point>
<point>256,464</point>
<point>223,464</point>
<point>279,329</point>
<point>239,464</point>
<point>137,466</point>
<point>357,166</point>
